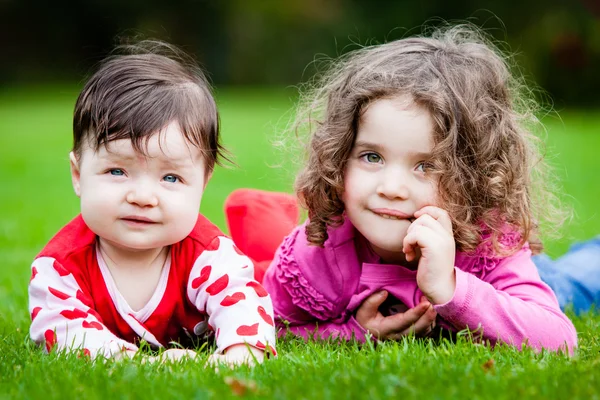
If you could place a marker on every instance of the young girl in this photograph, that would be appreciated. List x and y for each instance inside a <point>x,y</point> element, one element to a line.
<point>140,263</point>
<point>423,190</point>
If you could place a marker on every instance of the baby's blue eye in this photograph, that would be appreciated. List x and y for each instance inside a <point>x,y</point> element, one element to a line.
<point>171,178</point>
<point>117,172</point>
<point>372,158</point>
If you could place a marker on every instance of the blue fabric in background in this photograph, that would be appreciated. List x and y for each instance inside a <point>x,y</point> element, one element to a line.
<point>574,277</point>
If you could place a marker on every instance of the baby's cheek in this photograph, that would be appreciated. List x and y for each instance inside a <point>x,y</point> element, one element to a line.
<point>183,215</point>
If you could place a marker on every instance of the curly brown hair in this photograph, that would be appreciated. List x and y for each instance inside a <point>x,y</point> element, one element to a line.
<point>486,158</point>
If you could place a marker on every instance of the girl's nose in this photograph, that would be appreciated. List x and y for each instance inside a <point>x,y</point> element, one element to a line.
<point>393,184</point>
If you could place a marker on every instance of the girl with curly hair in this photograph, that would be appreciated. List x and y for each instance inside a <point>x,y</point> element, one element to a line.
<point>425,191</point>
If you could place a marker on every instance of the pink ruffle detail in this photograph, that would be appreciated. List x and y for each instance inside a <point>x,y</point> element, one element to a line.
<point>485,259</point>
<point>303,294</point>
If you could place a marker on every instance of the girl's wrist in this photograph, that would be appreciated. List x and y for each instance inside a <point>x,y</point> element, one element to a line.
<point>443,293</point>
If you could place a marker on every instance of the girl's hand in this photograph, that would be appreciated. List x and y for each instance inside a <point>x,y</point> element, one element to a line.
<point>431,234</point>
<point>236,355</point>
<point>419,320</point>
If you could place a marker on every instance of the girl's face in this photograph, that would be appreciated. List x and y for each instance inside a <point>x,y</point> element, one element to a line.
<point>386,180</point>
<point>136,202</point>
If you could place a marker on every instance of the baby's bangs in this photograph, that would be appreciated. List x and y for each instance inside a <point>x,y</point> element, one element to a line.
<point>151,109</point>
<point>196,114</point>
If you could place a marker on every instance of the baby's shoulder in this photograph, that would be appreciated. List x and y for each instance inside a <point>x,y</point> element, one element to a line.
<point>74,238</point>
<point>204,233</point>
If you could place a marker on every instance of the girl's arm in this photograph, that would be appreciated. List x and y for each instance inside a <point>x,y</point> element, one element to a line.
<point>61,316</point>
<point>299,307</point>
<point>510,304</point>
<point>221,284</point>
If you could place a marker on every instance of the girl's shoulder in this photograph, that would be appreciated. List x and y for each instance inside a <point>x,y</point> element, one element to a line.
<point>340,238</point>
<point>486,257</point>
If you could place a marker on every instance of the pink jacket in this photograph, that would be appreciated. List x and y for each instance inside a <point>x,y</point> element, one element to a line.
<point>317,290</point>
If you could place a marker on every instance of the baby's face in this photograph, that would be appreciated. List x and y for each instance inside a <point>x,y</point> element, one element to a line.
<point>138,202</point>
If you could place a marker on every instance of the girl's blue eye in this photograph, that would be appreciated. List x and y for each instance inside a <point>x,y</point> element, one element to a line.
<point>372,158</point>
<point>117,172</point>
<point>171,178</point>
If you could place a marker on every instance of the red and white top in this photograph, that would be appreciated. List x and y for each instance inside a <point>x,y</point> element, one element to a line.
<point>206,284</point>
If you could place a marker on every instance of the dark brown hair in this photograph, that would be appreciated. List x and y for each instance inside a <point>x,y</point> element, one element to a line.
<point>141,88</point>
<point>486,159</point>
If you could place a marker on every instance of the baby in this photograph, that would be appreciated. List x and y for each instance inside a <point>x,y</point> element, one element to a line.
<point>140,263</point>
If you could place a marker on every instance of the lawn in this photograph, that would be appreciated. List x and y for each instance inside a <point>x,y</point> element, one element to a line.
<point>37,199</point>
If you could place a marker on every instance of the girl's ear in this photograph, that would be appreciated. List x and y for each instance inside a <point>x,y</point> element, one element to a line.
<point>75,173</point>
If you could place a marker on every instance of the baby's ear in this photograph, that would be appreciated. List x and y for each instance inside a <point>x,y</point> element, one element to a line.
<point>75,173</point>
<point>207,177</point>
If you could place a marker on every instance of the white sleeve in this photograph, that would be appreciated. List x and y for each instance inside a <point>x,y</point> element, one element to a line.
<point>60,317</point>
<point>221,284</point>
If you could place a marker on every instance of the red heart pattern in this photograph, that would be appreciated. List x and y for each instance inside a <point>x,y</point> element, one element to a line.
<point>50,337</point>
<point>58,293</point>
<point>85,353</point>
<point>95,314</point>
<point>73,314</point>
<point>237,250</point>
<point>204,275</point>
<point>92,324</point>
<point>258,288</point>
<point>214,245</point>
<point>262,346</point>
<point>34,272</point>
<point>234,298</point>
<point>35,312</point>
<point>218,286</point>
<point>62,271</point>
<point>265,315</point>
<point>83,298</point>
<point>247,330</point>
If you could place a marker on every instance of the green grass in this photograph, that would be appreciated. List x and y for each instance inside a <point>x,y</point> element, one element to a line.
<point>37,199</point>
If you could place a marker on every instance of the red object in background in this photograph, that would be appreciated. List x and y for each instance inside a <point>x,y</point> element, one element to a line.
<point>258,221</point>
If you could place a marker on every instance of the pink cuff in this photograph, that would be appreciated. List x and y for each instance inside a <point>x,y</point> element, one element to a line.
<point>460,302</point>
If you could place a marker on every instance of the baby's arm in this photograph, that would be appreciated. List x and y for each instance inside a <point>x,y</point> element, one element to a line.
<point>62,317</point>
<point>511,304</point>
<point>221,284</point>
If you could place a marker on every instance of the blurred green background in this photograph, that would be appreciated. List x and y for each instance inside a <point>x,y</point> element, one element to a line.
<point>256,53</point>
<point>271,42</point>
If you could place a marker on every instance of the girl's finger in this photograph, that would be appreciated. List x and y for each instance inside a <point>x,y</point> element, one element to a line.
<point>401,322</point>
<point>438,214</point>
<point>424,325</point>
<point>428,221</point>
<point>421,236</point>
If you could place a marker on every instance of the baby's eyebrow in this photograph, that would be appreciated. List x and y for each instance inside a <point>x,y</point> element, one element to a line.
<point>116,155</point>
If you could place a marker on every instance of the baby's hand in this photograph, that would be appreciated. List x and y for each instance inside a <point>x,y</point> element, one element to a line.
<point>419,320</point>
<point>177,354</point>
<point>170,355</point>
<point>236,355</point>
<point>432,234</point>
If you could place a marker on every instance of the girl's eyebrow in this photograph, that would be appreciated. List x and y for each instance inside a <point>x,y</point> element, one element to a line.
<point>368,145</point>
<point>361,144</point>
